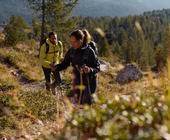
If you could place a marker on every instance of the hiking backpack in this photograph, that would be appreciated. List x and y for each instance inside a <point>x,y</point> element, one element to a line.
<point>92,77</point>
<point>94,47</point>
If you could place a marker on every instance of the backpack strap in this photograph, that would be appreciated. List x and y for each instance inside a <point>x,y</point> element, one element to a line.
<point>60,44</point>
<point>46,48</point>
<point>92,44</point>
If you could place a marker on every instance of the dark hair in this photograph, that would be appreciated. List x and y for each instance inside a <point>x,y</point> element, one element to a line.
<point>87,36</point>
<point>51,33</point>
<point>78,34</point>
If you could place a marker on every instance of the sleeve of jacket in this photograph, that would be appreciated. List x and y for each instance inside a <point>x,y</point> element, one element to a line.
<point>42,56</point>
<point>65,63</point>
<point>61,49</point>
<point>95,68</point>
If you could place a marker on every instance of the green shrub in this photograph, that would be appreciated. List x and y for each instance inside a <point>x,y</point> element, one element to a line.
<point>7,122</point>
<point>11,111</point>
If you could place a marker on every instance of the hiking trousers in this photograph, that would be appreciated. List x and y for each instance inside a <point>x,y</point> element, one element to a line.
<point>48,79</point>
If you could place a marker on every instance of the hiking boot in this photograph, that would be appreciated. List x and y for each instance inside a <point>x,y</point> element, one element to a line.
<point>48,86</point>
<point>53,86</point>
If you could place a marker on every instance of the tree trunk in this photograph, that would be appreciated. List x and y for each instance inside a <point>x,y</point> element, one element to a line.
<point>42,22</point>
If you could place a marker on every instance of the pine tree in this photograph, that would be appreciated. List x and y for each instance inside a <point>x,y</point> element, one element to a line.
<point>36,27</point>
<point>104,48</point>
<point>15,30</point>
<point>160,57</point>
<point>54,14</point>
<point>167,47</point>
<point>167,40</point>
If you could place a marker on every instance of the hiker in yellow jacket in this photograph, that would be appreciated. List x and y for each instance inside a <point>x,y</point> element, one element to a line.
<point>51,53</point>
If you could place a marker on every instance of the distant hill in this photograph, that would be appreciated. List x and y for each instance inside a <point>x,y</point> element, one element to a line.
<point>118,7</point>
<point>87,8</point>
<point>14,7</point>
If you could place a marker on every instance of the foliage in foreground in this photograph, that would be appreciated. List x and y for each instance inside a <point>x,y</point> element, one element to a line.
<point>137,116</point>
<point>11,111</point>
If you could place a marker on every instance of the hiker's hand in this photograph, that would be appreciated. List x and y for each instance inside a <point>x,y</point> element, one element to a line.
<point>86,69</point>
<point>52,67</point>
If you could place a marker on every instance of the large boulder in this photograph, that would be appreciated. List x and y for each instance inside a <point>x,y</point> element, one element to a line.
<point>129,73</point>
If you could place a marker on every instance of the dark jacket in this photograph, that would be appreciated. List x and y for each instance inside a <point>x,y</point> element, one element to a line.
<point>78,58</point>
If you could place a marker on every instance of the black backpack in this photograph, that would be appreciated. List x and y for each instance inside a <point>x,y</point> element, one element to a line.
<point>94,47</point>
<point>42,43</point>
<point>92,77</point>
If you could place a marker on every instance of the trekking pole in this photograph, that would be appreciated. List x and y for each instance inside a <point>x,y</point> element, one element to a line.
<point>88,84</point>
<point>81,90</point>
<point>81,84</point>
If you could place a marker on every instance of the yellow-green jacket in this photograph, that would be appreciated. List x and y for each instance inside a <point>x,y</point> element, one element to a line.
<point>54,55</point>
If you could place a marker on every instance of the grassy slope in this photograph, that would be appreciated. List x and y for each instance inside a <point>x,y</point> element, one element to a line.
<point>23,58</point>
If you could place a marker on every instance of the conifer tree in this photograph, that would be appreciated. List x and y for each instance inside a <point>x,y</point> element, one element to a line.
<point>54,15</point>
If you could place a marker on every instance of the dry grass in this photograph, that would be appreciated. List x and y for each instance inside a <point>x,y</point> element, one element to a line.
<point>23,59</point>
<point>7,80</point>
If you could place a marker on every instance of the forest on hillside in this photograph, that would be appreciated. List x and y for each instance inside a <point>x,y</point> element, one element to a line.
<point>140,39</point>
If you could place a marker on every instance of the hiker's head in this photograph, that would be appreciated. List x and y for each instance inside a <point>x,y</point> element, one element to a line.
<point>76,38</point>
<point>87,36</point>
<point>52,37</point>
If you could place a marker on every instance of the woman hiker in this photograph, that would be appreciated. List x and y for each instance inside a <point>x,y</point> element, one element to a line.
<point>85,67</point>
